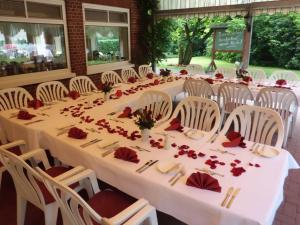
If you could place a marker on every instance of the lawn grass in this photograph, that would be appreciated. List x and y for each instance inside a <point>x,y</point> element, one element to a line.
<point>205,61</point>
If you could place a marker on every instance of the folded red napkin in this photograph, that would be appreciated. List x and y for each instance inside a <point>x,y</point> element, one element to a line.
<point>126,154</point>
<point>175,124</point>
<point>203,181</point>
<point>183,72</point>
<point>127,113</point>
<point>35,104</point>
<point>209,80</point>
<point>219,76</point>
<point>149,75</point>
<point>235,140</point>
<point>281,82</point>
<point>24,115</point>
<point>156,82</point>
<point>247,79</point>
<point>131,80</point>
<point>74,95</point>
<point>77,133</point>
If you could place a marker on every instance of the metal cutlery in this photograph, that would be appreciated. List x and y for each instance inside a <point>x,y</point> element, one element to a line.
<point>148,166</point>
<point>140,148</point>
<point>222,151</point>
<point>109,145</point>
<point>46,108</point>
<point>66,127</point>
<point>235,193</point>
<point>32,122</point>
<point>179,175</point>
<point>213,138</point>
<point>228,194</point>
<point>210,172</point>
<point>115,120</point>
<point>104,154</point>
<point>112,113</point>
<point>165,134</point>
<point>44,114</point>
<point>90,143</point>
<point>93,130</point>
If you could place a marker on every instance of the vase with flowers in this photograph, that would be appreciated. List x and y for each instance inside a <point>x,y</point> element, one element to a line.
<point>165,73</point>
<point>106,89</point>
<point>145,122</point>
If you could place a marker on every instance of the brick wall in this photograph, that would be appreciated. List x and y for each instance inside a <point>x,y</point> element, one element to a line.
<point>76,37</point>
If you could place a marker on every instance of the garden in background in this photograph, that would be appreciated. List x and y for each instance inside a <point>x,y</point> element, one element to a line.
<point>275,42</point>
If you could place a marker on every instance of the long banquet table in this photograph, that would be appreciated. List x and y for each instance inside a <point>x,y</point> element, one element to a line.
<point>261,185</point>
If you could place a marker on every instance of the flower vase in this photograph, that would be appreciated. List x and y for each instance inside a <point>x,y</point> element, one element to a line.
<point>145,135</point>
<point>106,96</point>
<point>165,78</point>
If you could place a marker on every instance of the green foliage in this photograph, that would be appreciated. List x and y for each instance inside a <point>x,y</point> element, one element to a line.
<point>108,45</point>
<point>276,41</point>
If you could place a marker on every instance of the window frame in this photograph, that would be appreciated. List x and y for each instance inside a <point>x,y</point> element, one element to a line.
<point>93,69</point>
<point>37,77</point>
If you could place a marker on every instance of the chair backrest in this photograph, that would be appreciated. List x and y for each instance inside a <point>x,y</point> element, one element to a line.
<point>110,76</point>
<point>287,75</point>
<point>257,75</point>
<point>82,84</point>
<point>228,72</point>
<point>194,69</point>
<point>74,209</point>
<point>51,91</point>
<point>144,70</point>
<point>256,124</point>
<point>198,113</point>
<point>12,98</point>
<point>282,100</point>
<point>28,182</point>
<point>128,72</point>
<point>158,102</point>
<point>231,95</point>
<point>200,88</point>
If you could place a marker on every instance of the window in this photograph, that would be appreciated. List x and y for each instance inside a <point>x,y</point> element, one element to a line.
<point>32,37</point>
<point>106,35</point>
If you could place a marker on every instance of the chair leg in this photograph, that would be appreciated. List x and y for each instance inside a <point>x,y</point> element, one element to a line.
<point>0,179</point>
<point>50,213</point>
<point>21,209</point>
<point>153,218</point>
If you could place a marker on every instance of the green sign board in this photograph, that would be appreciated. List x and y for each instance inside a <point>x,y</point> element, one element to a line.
<point>229,41</point>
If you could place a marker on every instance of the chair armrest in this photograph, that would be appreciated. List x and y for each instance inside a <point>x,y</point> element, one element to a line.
<point>40,154</point>
<point>146,212</point>
<point>86,174</point>
<point>70,173</point>
<point>121,217</point>
<point>20,143</point>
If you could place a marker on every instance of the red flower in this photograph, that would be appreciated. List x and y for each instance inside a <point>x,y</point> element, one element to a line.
<point>156,82</point>
<point>183,72</point>
<point>131,80</point>
<point>118,93</point>
<point>219,76</point>
<point>237,171</point>
<point>35,104</point>
<point>209,80</point>
<point>247,79</point>
<point>74,95</point>
<point>281,82</point>
<point>149,75</point>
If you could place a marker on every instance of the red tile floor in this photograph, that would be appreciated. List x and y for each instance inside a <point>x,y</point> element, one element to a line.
<point>287,214</point>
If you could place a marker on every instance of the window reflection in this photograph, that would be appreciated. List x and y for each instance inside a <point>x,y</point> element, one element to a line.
<point>27,48</point>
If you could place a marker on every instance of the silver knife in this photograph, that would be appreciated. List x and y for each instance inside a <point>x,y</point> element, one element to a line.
<point>90,143</point>
<point>148,166</point>
<point>32,122</point>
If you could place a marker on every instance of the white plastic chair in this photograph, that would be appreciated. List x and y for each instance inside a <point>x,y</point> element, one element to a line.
<point>283,101</point>
<point>76,211</point>
<point>290,76</point>
<point>110,76</point>
<point>82,84</point>
<point>28,183</point>
<point>231,95</point>
<point>51,91</point>
<point>159,103</point>
<point>128,72</point>
<point>258,75</point>
<point>199,113</point>
<point>200,88</point>
<point>228,72</point>
<point>194,69</point>
<point>144,70</point>
<point>13,98</point>
<point>256,124</point>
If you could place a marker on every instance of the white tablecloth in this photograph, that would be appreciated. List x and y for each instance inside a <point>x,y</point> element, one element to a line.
<point>261,188</point>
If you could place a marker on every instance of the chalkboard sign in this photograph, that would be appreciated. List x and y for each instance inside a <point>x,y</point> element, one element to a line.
<point>229,41</point>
